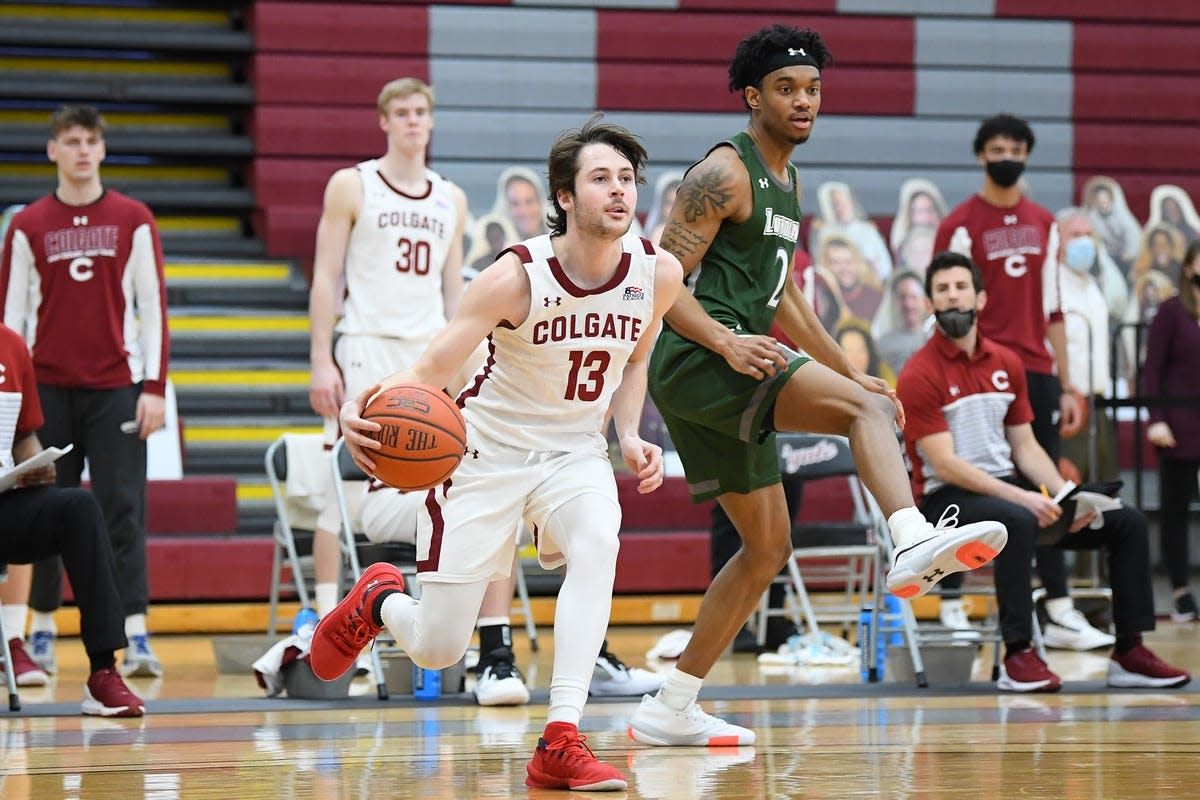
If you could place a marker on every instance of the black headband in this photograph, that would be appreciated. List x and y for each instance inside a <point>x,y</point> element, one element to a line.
<point>788,57</point>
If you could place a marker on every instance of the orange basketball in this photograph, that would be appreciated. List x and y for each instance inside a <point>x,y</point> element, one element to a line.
<point>423,436</point>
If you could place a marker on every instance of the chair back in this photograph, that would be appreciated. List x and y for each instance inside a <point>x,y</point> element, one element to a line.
<point>811,456</point>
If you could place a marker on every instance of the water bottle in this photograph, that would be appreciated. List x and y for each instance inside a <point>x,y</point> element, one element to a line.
<point>864,642</point>
<point>427,683</point>
<point>893,627</point>
<point>305,617</point>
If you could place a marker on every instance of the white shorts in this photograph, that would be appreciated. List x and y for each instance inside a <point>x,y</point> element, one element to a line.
<point>471,525</point>
<point>390,515</point>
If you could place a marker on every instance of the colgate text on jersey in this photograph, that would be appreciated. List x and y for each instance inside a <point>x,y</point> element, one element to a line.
<point>411,219</point>
<point>587,326</point>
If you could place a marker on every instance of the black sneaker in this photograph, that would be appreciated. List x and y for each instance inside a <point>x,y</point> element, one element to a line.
<point>498,682</point>
<point>746,641</point>
<point>1185,608</point>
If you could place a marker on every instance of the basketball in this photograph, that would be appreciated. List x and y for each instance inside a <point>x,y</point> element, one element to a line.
<point>423,436</point>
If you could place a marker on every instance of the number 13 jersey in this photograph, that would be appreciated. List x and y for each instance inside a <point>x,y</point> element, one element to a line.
<point>548,382</point>
<point>394,259</point>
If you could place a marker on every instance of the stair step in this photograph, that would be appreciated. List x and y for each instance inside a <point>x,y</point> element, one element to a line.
<point>243,273</point>
<point>178,245</point>
<point>160,199</point>
<point>143,142</point>
<point>63,64</point>
<point>99,33</point>
<point>68,13</point>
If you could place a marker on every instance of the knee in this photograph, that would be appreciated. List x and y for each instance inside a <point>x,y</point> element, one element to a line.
<point>767,558</point>
<point>78,510</point>
<point>875,407</point>
<point>438,654</point>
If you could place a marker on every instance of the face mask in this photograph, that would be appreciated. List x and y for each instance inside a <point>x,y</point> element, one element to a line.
<point>1005,173</point>
<point>1081,253</point>
<point>954,323</point>
<point>1196,281</point>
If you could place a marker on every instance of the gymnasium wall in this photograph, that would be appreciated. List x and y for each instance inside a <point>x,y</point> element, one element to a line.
<point>1109,85</point>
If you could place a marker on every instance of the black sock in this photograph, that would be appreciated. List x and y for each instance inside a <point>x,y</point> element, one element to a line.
<point>1012,648</point>
<point>377,605</point>
<point>103,660</point>
<point>1126,642</point>
<point>493,637</point>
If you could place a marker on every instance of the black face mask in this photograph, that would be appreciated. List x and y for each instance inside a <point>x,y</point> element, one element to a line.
<point>1196,280</point>
<point>954,323</point>
<point>1005,173</point>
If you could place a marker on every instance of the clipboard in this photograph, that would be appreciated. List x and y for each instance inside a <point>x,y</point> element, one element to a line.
<point>1069,499</point>
<point>8,478</point>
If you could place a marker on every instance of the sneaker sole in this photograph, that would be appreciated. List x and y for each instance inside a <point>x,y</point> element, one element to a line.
<point>1182,618</point>
<point>1068,641</point>
<point>1132,680</point>
<point>33,679</point>
<point>1007,684</point>
<point>535,779</point>
<point>94,708</point>
<point>964,549</point>
<point>512,698</point>
<point>661,740</point>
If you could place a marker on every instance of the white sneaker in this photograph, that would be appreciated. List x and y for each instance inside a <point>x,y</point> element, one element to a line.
<point>656,723</point>
<point>612,678</point>
<point>1068,628</point>
<point>953,615</point>
<point>917,567</point>
<point>499,682</point>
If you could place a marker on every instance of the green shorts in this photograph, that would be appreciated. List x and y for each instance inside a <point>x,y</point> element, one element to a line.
<point>720,421</point>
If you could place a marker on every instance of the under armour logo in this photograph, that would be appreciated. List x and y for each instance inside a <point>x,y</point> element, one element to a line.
<point>763,183</point>
<point>474,454</point>
<point>797,51</point>
<point>81,220</point>
<point>1010,219</point>
<point>933,576</point>
<point>546,301</point>
<point>954,391</point>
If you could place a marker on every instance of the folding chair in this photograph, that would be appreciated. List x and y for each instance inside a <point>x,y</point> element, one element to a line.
<point>14,699</point>
<point>845,552</point>
<point>404,556</point>
<point>284,531</point>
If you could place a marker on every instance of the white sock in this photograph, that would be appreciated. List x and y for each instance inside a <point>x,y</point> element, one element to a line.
<point>43,621</point>
<point>326,596</point>
<point>14,620</point>
<point>680,689</point>
<point>135,625</point>
<point>908,525</point>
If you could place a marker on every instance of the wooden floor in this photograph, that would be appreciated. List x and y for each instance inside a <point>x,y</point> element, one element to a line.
<point>850,742</point>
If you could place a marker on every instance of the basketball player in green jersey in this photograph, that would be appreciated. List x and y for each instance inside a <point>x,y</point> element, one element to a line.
<point>724,386</point>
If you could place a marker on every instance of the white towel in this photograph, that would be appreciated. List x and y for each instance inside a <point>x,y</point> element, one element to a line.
<point>269,668</point>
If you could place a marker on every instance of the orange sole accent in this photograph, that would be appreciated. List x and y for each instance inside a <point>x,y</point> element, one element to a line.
<point>905,592</point>
<point>629,732</point>
<point>975,554</point>
<point>723,741</point>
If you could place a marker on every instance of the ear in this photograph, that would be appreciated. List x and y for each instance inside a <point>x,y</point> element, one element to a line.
<point>753,97</point>
<point>566,200</point>
<point>52,150</point>
<point>981,300</point>
<point>103,151</point>
<point>383,122</point>
<point>928,306</point>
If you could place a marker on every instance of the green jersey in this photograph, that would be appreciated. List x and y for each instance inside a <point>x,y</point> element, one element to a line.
<point>741,278</point>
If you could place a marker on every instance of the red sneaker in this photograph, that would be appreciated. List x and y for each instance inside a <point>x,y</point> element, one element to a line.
<point>1026,672</point>
<point>25,669</point>
<point>564,761</point>
<point>343,633</point>
<point>106,695</point>
<point>1139,667</point>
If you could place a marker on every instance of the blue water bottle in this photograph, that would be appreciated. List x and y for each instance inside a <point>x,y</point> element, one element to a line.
<point>894,626</point>
<point>305,616</point>
<point>427,683</point>
<point>864,643</point>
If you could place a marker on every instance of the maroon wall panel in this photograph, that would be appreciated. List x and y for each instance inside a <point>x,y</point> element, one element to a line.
<point>280,181</point>
<point>1135,147</point>
<point>1158,48</point>
<point>674,561</point>
<point>1154,10</point>
<point>289,231</point>
<point>340,28</point>
<point>683,87</point>
<point>195,504</point>
<point>285,78</point>
<point>790,6</point>
<point>1157,98</point>
<point>668,506</point>
<point>711,38</point>
<point>315,131</point>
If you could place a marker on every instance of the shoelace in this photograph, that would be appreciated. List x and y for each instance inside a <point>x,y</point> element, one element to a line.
<point>353,637</point>
<point>571,747</point>
<point>500,670</point>
<point>948,519</point>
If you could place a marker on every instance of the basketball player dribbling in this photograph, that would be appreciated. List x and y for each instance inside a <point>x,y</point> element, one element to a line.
<point>569,318</point>
<point>724,386</point>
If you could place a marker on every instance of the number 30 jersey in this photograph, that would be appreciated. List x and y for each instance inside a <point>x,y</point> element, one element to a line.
<point>394,259</point>
<point>741,278</point>
<point>547,383</point>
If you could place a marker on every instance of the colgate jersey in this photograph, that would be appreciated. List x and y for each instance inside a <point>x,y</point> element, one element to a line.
<point>83,285</point>
<point>547,383</point>
<point>1016,249</point>
<point>394,259</point>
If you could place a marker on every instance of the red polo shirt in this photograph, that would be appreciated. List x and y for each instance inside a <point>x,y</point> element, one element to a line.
<point>974,398</point>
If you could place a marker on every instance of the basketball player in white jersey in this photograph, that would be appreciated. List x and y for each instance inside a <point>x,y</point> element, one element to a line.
<point>391,235</point>
<point>569,319</point>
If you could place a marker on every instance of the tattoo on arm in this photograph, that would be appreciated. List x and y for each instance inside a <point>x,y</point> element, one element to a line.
<point>703,193</point>
<point>681,242</point>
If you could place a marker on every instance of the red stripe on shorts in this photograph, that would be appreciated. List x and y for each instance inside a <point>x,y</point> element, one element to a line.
<point>439,527</point>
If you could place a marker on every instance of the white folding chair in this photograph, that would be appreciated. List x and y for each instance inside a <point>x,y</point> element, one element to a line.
<point>14,699</point>
<point>284,532</point>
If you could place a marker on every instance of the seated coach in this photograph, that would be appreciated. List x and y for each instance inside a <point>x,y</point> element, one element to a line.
<point>975,458</point>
